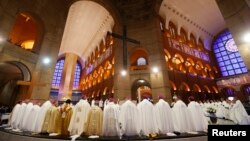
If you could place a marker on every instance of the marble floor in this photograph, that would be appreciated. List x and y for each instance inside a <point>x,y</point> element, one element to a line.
<point>6,136</point>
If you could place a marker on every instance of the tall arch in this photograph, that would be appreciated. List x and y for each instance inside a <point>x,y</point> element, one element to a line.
<point>15,79</point>
<point>184,86</point>
<point>207,89</point>
<point>27,31</point>
<point>136,85</point>
<point>227,55</point>
<point>58,72</point>
<point>24,69</point>
<point>196,88</point>
<point>135,57</point>
<point>173,86</point>
<point>183,36</point>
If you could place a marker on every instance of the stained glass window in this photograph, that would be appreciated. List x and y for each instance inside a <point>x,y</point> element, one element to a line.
<point>246,89</point>
<point>58,74</point>
<point>77,76</point>
<point>141,61</point>
<point>227,55</point>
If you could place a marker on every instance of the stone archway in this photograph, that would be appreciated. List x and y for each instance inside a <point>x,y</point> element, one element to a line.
<point>15,78</point>
<point>141,88</point>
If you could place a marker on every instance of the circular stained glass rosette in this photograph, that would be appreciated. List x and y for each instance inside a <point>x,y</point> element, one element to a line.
<point>231,46</point>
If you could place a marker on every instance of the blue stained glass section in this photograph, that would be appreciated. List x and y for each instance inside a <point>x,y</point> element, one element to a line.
<point>230,62</point>
<point>238,71</point>
<point>223,53</point>
<point>232,56</point>
<point>225,73</point>
<point>221,64</point>
<point>236,66</point>
<point>229,67</point>
<point>225,57</point>
<point>223,69</point>
<point>244,69</point>
<point>219,59</point>
<point>231,72</point>
<point>227,62</point>
<point>77,76</point>
<point>58,74</point>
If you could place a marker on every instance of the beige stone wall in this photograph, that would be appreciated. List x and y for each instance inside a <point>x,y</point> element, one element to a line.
<point>52,14</point>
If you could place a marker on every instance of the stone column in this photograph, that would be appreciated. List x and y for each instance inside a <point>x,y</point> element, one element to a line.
<point>66,85</point>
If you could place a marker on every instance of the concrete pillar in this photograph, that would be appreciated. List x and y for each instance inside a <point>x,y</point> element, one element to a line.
<point>66,85</point>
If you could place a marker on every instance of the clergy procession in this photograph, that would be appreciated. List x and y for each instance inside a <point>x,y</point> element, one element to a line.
<point>123,119</point>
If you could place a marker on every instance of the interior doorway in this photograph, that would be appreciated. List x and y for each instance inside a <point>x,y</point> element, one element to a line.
<point>141,89</point>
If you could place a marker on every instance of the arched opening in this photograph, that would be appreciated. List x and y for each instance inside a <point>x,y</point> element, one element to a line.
<point>27,32</point>
<point>183,36</point>
<point>189,63</point>
<point>173,87</point>
<point>139,59</point>
<point>196,92</point>
<point>108,70</point>
<point>200,45</point>
<point>199,67</point>
<point>141,89</point>
<point>228,92</point>
<point>172,30</point>
<point>206,93</point>
<point>177,61</point>
<point>245,89</point>
<point>192,42</point>
<point>58,75</point>
<point>183,91</point>
<point>15,79</point>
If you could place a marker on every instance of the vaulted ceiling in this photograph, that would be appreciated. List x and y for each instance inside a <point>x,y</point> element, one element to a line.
<point>134,9</point>
<point>200,17</point>
<point>87,25</point>
<point>88,22</point>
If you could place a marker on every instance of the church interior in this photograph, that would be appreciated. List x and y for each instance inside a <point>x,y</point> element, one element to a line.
<point>59,56</point>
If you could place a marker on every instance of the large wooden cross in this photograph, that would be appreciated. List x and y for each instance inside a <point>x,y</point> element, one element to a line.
<point>124,39</point>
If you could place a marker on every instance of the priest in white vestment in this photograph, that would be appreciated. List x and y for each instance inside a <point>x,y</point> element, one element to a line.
<point>32,117</point>
<point>182,118</point>
<point>92,103</point>
<point>146,118</point>
<point>198,118</point>
<point>25,122</point>
<point>128,118</point>
<point>238,114</point>
<point>110,120</point>
<point>21,115</point>
<point>100,103</point>
<point>79,118</point>
<point>41,116</point>
<point>106,102</point>
<point>163,114</point>
<point>14,116</point>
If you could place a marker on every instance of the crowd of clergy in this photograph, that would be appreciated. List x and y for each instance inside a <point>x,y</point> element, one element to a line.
<point>124,119</point>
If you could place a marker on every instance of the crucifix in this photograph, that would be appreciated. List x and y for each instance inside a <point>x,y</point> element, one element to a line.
<point>124,39</point>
